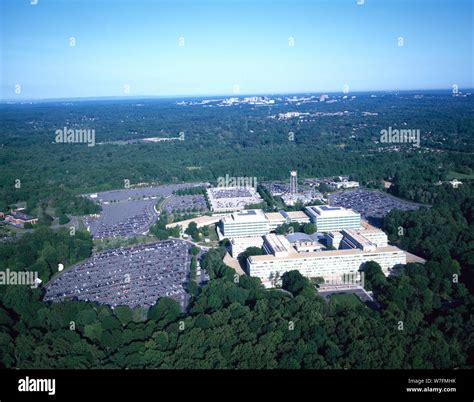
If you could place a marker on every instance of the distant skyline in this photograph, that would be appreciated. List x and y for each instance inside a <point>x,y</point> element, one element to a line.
<point>190,48</point>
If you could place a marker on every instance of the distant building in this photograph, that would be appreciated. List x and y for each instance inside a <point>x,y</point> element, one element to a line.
<point>455,183</point>
<point>344,184</point>
<point>19,218</point>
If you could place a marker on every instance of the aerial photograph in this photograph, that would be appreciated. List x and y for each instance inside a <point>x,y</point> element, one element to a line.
<point>198,196</point>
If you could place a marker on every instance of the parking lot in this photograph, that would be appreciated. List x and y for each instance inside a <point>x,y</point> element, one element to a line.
<point>185,204</point>
<point>276,189</point>
<point>130,212</point>
<point>372,205</point>
<point>123,219</point>
<point>224,199</point>
<point>134,276</point>
<point>128,194</point>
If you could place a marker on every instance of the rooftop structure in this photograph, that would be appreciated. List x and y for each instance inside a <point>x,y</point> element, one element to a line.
<point>353,239</point>
<point>277,245</point>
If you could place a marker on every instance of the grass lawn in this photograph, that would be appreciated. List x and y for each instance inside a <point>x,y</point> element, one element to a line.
<point>213,233</point>
<point>346,298</point>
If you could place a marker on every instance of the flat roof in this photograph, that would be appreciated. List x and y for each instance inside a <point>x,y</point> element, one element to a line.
<point>324,211</point>
<point>246,215</point>
<point>323,254</point>
<point>200,221</point>
<point>278,243</point>
<point>297,214</point>
<point>274,216</point>
<point>246,240</point>
<point>357,236</point>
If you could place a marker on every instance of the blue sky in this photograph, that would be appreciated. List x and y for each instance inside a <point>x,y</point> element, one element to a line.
<point>134,44</point>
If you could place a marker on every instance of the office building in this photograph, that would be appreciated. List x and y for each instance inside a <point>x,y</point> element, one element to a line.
<point>254,222</point>
<point>308,257</point>
<point>327,218</point>
<point>245,223</point>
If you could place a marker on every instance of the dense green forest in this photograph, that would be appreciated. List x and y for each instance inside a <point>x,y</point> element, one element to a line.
<point>423,322</point>
<point>424,318</point>
<point>239,141</point>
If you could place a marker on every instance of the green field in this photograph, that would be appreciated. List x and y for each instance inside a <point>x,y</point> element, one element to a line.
<point>347,299</point>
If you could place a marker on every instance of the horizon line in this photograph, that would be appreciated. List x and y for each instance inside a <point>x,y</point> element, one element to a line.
<point>225,95</point>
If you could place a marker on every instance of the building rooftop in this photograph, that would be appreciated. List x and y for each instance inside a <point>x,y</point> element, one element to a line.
<point>326,211</point>
<point>297,237</point>
<point>297,214</point>
<point>274,216</point>
<point>323,254</point>
<point>22,216</point>
<point>351,235</point>
<point>246,215</point>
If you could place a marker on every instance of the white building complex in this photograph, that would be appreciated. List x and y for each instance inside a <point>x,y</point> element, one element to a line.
<point>246,228</point>
<point>331,265</point>
<point>327,218</point>
<point>336,256</point>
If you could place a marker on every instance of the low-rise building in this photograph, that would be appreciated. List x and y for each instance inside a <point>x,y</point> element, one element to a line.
<point>19,218</point>
<point>354,247</point>
<point>331,265</point>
